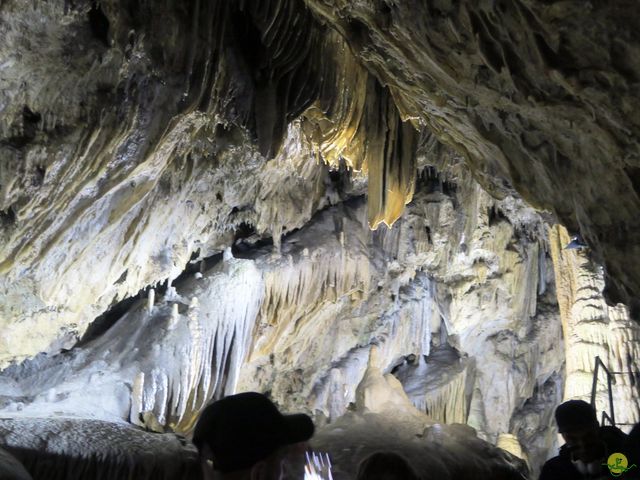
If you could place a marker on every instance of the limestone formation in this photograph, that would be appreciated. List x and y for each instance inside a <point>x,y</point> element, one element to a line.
<point>591,328</point>
<point>317,199</point>
<point>542,95</point>
<point>63,448</point>
<point>389,425</point>
<point>423,289</point>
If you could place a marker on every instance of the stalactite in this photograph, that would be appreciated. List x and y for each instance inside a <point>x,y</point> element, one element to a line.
<point>313,283</point>
<point>160,367</point>
<point>500,102</point>
<point>241,74</point>
<point>361,125</point>
<point>439,385</point>
<point>449,404</point>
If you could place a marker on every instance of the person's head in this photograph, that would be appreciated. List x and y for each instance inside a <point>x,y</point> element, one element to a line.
<point>386,466</point>
<point>244,436</point>
<point>578,424</point>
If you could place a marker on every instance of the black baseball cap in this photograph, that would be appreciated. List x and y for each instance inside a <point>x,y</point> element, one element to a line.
<point>575,414</point>
<point>245,428</point>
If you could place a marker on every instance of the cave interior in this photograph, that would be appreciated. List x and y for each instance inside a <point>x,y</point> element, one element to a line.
<point>414,221</point>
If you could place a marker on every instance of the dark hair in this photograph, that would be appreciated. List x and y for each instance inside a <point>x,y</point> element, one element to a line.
<point>242,429</point>
<point>575,414</point>
<point>386,466</point>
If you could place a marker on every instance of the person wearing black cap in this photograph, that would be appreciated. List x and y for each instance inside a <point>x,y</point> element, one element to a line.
<point>245,437</point>
<point>587,447</point>
<point>386,466</point>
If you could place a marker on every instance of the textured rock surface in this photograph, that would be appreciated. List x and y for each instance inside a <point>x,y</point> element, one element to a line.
<point>115,123</point>
<point>140,141</point>
<point>389,424</point>
<point>58,449</point>
<point>591,328</point>
<point>541,94</point>
<point>158,366</point>
<point>109,124</point>
<point>443,270</point>
<point>460,283</point>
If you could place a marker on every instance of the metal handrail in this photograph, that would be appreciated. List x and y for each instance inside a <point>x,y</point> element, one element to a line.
<point>610,379</point>
<point>605,416</point>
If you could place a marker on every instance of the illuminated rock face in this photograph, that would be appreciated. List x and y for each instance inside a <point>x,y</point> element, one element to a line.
<point>459,296</point>
<point>456,295</point>
<point>591,328</point>
<point>384,420</point>
<point>112,126</point>
<point>541,94</point>
<point>127,240</point>
<point>137,144</point>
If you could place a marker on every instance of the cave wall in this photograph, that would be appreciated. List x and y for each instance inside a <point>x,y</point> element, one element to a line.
<point>592,328</point>
<point>138,143</point>
<point>538,96</point>
<point>110,111</point>
<point>462,283</point>
<point>118,117</point>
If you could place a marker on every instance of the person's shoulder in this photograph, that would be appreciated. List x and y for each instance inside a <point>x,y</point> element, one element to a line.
<point>557,468</point>
<point>614,438</point>
<point>612,432</point>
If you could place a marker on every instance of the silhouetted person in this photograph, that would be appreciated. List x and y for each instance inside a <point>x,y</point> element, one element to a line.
<point>634,434</point>
<point>588,446</point>
<point>245,437</point>
<point>633,446</point>
<point>386,466</point>
<point>11,468</point>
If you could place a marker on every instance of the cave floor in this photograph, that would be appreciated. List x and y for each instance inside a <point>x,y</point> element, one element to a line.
<point>65,448</point>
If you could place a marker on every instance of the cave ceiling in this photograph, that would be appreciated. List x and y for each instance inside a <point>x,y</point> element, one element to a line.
<point>540,95</point>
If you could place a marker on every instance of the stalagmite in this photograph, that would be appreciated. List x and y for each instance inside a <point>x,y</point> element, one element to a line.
<point>137,399</point>
<point>150,300</point>
<point>380,393</point>
<point>175,317</point>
